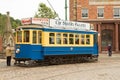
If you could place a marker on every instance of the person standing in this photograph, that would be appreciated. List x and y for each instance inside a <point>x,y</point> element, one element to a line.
<point>109,50</point>
<point>8,55</point>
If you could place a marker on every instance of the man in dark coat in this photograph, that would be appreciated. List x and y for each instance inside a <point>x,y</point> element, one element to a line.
<point>109,50</point>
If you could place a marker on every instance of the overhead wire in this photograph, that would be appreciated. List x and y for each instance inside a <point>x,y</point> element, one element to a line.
<point>53,9</point>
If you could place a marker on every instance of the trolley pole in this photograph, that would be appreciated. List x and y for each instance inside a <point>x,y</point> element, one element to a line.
<point>65,9</point>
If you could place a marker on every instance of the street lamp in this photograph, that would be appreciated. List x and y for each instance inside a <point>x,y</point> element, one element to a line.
<point>65,9</point>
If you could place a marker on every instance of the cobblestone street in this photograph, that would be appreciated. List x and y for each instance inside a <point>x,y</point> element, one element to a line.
<point>107,68</point>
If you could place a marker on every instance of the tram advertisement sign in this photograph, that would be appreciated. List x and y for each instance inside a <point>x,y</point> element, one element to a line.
<point>26,21</point>
<point>41,21</point>
<point>69,24</point>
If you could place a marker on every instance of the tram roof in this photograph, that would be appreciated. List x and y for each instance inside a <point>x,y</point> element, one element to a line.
<point>49,28</point>
<point>55,25</point>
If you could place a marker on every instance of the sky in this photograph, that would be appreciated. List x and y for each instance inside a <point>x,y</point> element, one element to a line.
<point>27,8</point>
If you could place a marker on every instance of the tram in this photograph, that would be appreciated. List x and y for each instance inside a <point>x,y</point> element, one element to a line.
<point>42,40</point>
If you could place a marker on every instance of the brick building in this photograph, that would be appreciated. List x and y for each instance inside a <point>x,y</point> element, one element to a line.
<point>104,14</point>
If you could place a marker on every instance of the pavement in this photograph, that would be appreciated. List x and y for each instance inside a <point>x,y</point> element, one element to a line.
<point>106,68</point>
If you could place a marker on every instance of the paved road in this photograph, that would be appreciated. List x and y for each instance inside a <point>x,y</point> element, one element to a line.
<point>107,68</point>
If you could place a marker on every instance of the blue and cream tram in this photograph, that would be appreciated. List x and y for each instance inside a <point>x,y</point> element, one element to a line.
<point>41,43</point>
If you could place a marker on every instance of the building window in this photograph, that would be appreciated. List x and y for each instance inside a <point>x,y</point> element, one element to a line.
<point>116,13</point>
<point>84,13</point>
<point>100,12</point>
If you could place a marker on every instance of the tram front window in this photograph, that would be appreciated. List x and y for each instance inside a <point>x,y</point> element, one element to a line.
<point>19,36</point>
<point>26,36</point>
<point>34,37</point>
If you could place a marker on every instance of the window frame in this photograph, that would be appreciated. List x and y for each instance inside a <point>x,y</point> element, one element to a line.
<point>52,38</point>
<point>24,35</point>
<point>34,37</point>
<point>100,12</point>
<point>20,37</point>
<point>84,13</point>
<point>58,38</point>
<point>118,13</point>
<point>68,36</point>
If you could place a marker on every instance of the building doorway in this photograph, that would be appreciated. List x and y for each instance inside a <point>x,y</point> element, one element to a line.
<point>107,38</point>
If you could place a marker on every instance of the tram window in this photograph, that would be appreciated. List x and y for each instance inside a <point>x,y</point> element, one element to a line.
<point>58,38</point>
<point>76,39</point>
<point>34,37</point>
<point>19,36</point>
<point>65,35</point>
<point>65,41</point>
<point>39,36</point>
<point>87,39</point>
<point>65,38</point>
<point>71,39</point>
<point>51,38</point>
<point>71,35</point>
<point>82,39</point>
<point>26,36</point>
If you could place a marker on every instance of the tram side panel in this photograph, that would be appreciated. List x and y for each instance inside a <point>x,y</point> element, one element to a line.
<point>53,49</point>
<point>37,52</point>
<point>68,50</point>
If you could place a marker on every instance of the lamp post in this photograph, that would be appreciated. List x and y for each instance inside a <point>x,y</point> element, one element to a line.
<point>65,9</point>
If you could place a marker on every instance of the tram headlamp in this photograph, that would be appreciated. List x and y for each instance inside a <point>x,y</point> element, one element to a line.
<point>17,50</point>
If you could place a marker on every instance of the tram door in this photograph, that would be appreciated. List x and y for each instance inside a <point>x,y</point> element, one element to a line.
<point>107,38</point>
